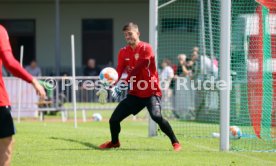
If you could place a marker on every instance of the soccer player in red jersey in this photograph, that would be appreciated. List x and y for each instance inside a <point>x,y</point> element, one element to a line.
<point>137,59</point>
<point>6,122</point>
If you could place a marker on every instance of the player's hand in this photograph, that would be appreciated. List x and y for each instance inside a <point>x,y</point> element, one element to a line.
<point>102,93</point>
<point>117,90</point>
<point>39,89</point>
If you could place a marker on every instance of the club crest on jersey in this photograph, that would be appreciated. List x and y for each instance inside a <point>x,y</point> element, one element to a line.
<point>136,56</point>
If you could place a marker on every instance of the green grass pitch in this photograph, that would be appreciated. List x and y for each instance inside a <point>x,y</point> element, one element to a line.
<point>52,143</point>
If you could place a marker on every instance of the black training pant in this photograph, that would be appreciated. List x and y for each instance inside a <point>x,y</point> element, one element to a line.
<point>133,105</point>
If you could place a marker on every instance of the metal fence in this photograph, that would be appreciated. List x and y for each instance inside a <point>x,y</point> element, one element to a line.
<point>25,102</point>
<point>184,103</point>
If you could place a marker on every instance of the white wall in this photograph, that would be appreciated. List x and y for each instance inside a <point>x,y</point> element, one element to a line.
<point>72,14</point>
<point>121,13</point>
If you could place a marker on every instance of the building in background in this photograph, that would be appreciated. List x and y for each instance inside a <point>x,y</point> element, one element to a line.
<point>96,25</point>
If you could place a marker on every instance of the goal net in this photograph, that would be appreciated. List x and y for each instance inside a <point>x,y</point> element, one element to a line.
<point>189,45</point>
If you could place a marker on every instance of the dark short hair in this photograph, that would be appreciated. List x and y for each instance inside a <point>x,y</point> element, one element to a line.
<point>129,26</point>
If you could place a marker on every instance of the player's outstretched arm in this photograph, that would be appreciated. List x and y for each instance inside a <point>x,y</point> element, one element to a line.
<point>13,66</point>
<point>116,91</point>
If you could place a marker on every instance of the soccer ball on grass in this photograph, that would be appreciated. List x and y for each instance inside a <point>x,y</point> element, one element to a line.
<point>235,132</point>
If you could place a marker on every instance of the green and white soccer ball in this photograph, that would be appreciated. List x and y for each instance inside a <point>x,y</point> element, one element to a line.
<point>97,117</point>
<point>235,132</point>
<point>108,76</point>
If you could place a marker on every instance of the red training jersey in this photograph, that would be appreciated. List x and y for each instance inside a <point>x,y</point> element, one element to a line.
<point>139,63</point>
<point>11,64</point>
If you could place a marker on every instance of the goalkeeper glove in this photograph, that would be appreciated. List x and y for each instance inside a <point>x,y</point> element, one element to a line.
<point>102,93</point>
<point>117,90</point>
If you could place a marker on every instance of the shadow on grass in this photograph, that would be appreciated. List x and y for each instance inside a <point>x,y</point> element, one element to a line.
<point>95,147</point>
<point>87,144</point>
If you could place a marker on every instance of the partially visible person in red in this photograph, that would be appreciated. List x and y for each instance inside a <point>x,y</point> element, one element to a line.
<point>7,129</point>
